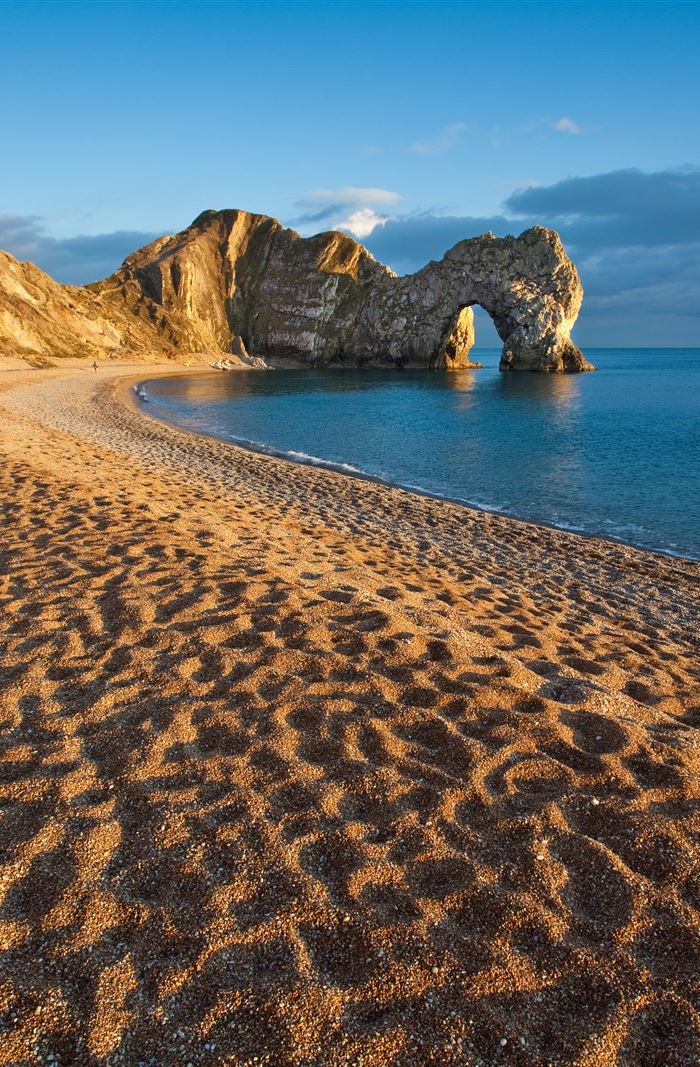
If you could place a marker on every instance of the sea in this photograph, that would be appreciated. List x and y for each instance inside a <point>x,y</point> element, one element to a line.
<point>615,453</point>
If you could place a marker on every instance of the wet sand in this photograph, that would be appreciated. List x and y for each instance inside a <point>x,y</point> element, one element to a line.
<point>302,769</point>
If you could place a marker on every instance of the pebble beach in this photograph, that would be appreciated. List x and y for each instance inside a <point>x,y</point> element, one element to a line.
<point>298,768</point>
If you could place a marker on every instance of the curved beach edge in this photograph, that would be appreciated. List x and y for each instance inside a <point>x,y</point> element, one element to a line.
<point>138,396</point>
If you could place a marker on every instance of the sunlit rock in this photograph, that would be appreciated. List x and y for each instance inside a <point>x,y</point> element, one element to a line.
<point>234,284</point>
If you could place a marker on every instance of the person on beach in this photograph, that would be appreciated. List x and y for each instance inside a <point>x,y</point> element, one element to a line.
<point>94,366</point>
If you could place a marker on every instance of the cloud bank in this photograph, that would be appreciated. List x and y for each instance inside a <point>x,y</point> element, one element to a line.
<point>73,260</point>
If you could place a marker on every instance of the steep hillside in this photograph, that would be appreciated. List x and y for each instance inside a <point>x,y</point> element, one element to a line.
<point>41,320</point>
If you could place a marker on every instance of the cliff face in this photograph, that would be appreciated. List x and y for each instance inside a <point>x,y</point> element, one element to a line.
<point>232,274</point>
<point>235,276</point>
<point>41,320</point>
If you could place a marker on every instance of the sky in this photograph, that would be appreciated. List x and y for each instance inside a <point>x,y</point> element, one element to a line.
<point>412,125</point>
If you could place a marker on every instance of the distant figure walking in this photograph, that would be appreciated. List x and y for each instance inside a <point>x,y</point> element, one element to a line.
<point>94,366</point>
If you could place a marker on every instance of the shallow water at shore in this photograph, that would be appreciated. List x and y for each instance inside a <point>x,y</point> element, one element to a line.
<point>615,453</point>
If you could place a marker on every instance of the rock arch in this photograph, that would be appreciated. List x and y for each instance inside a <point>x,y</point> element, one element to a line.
<point>527,284</point>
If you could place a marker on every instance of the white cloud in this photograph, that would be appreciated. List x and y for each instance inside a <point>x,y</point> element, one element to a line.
<point>547,124</point>
<point>567,125</point>
<point>446,139</point>
<point>362,222</point>
<point>359,209</point>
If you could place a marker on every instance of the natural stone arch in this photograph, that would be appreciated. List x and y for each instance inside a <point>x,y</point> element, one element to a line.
<point>527,284</point>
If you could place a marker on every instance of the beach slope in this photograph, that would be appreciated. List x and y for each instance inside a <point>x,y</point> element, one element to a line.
<point>302,769</point>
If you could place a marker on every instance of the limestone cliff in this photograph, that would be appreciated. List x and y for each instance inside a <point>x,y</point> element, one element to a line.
<point>41,320</point>
<point>233,277</point>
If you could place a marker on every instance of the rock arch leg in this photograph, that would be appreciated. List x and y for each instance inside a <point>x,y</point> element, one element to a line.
<point>453,351</point>
<point>547,350</point>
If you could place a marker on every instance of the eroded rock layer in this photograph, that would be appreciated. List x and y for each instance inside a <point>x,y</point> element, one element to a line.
<point>233,277</point>
<point>41,320</point>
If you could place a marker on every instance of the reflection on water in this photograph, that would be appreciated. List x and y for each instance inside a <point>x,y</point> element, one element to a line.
<point>552,390</point>
<point>464,383</point>
<point>615,452</point>
<point>460,381</point>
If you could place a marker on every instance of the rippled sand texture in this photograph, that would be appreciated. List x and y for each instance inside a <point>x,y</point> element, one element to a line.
<point>301,768</point>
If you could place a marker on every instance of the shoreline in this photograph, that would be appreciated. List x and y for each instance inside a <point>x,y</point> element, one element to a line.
<point>456,515</point>
<point>347,470</point>
<point>303,769</point>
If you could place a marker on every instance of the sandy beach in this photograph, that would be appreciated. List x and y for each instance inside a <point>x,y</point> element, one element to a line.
<point>302,769</point>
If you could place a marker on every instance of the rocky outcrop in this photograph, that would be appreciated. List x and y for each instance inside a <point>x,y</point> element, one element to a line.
<point>527,284</point>
<point>234,282</point>
<point>239,357</point>
<point>41,321</point>
<point>234,275</point>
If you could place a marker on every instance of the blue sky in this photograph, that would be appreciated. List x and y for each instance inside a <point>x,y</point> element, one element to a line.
<point>413,124</point>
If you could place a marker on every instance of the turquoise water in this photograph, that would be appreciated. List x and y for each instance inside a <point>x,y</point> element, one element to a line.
<point>614,453</point>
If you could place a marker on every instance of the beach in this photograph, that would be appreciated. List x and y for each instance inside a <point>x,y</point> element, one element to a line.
<point>299,768</point>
